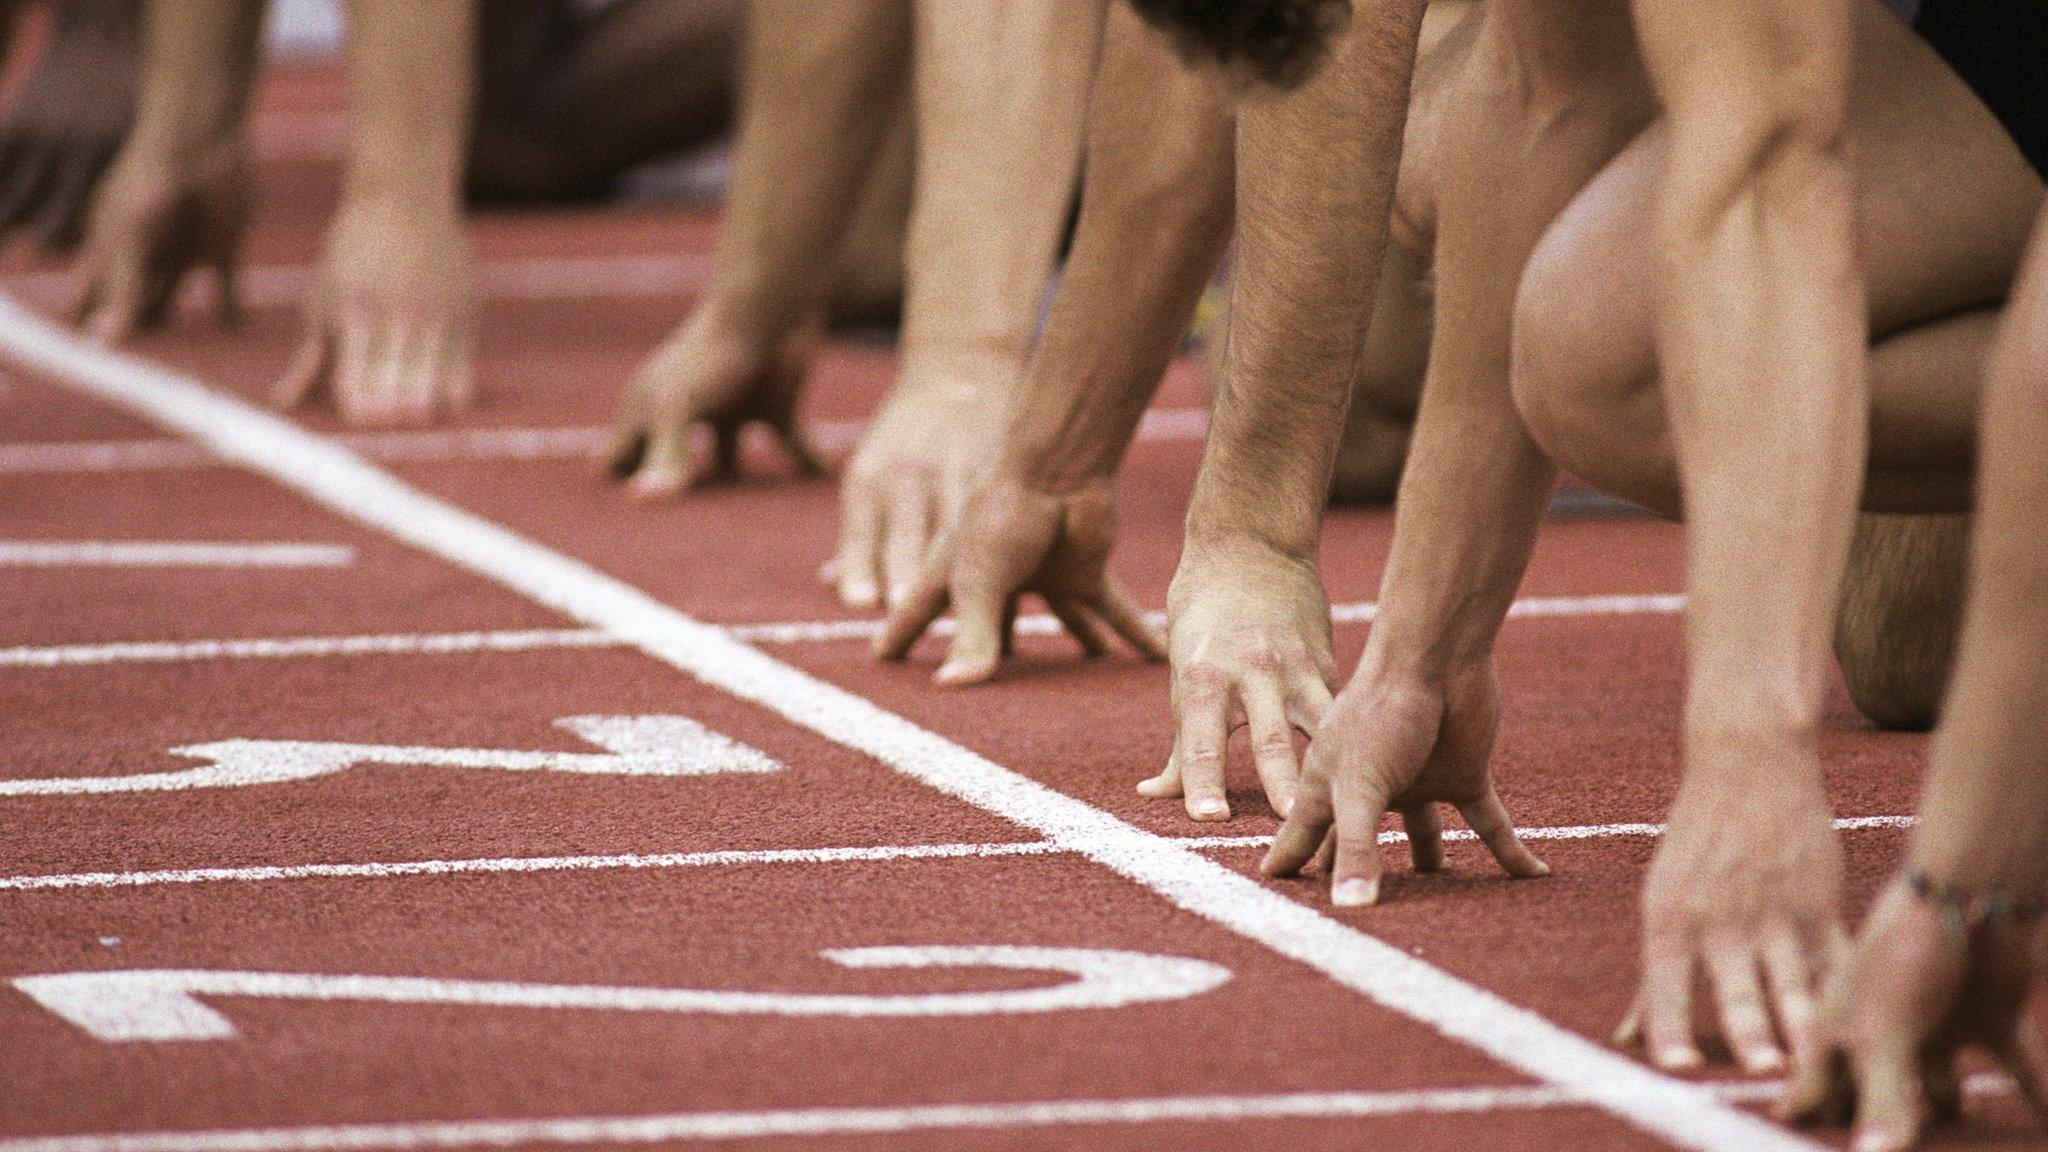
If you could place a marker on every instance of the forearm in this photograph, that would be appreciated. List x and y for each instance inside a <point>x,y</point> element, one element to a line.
<point>1984,814</point>
<point>823,85</point>
<point>1762,342</point>
<point>1155,215</point>
<point>1316,175</point>
<point>199,66</point>
<point>1002,92</point>
<point>412,70</point>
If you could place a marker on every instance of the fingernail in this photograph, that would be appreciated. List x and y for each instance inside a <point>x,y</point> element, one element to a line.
<point>1354,893</point>
<point>1676,1059</point>
<point>1764,1060</point>
<point>859,593</point>
<point>1210,807</point>
<point>1875,1140</point>
<point>898,593</point>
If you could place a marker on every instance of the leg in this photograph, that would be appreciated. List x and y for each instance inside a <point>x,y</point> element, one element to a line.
<point>567,106</point>
<point>1946,204</point>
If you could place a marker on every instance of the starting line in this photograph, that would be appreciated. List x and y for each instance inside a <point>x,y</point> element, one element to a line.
<point>876,853</point>
<point>794,632</point>
<point>416,1136</point>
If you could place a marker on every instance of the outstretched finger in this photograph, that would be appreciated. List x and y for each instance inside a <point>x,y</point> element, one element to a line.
<point>1668,972</point>
<point>1745,1022</point>
<point>1425,830</point>
<point>1265,713</point>
<point>1166,785</point>
<point>665,467</point>
<point>1789,977</point>
<point>910,619</point>
<point>860,543</point>
<point>301,379</point>
<point>1200,749</point>
<point>1889,1104</point>
<point>1489,820</point>
<point>1307,828</point>
<point>981,614</point>
<point>1817,1092</point>
<point>1087,631</point>
<point>1360,802</point>
<point>1115,607</point>
<point>908,535</point>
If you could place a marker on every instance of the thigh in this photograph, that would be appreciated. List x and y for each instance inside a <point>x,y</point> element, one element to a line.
<point>1947,201</point>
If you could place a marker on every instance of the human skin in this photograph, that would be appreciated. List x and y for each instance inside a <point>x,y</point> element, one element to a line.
<point>389,324</point>
<point>1912,995</point>
<point>1974,221</point>
<point>1155,214</point>
<point>990,140</point>
<point>68,119</point>
<point>1249,625</point>
<point>176,197</point>
<point>823,88</point>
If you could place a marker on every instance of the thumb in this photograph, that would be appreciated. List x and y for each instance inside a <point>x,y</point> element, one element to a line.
<point>1888,1101</point>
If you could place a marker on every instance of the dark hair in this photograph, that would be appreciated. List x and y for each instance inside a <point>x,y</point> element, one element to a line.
<point>1279,42</point>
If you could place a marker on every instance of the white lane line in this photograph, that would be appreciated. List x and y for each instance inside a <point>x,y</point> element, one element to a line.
<point>792,632</point>
<point>664,1127</point>
<point>167,651</point>
<point>1677,1111</point>
<point>461,445</point>
<point>732,857</point>
<point>169,554</point>
<point>409,1136</point>
<point>528,278</point>
<point>1563,832</point>
<point>624,861</point>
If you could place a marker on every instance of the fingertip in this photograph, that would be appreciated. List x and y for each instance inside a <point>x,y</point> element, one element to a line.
<point>1209,809</point>
<point>960,673</point>
<point>1673,1057</point>
<point>1160,787</point>
<point>654,484</point>
<point>1355,892</point>
<point>857,592</point>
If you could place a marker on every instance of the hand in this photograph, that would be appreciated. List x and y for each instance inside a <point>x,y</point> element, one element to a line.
<point>1391,744</point>
<point>1899,1010</point>
<point>706,374</point>
<point>71,114</point>
<point>1249,637</point>
<point>388,327</point>
<point>1746,891</point>
<point>154,221</point>
<point>1012,539</point>
<point>907,483</point>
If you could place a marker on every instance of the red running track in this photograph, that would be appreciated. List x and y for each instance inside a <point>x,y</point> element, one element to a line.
<point>408,946</point>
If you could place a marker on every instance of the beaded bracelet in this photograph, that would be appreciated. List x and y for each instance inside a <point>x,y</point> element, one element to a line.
<point>1964,910</point>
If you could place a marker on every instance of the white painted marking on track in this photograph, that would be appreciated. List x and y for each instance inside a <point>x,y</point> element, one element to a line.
<point>171,651</point>
<point>637,746</point>
<point>163,1004</point>
<point>629,277</point>
<point>657,1128</point>
<point>795,632</point>
<point>458,445</point>
<point>169,554</point>
<point>1679,1112</point>
<point>627,861</point>
<point>385,870</point>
